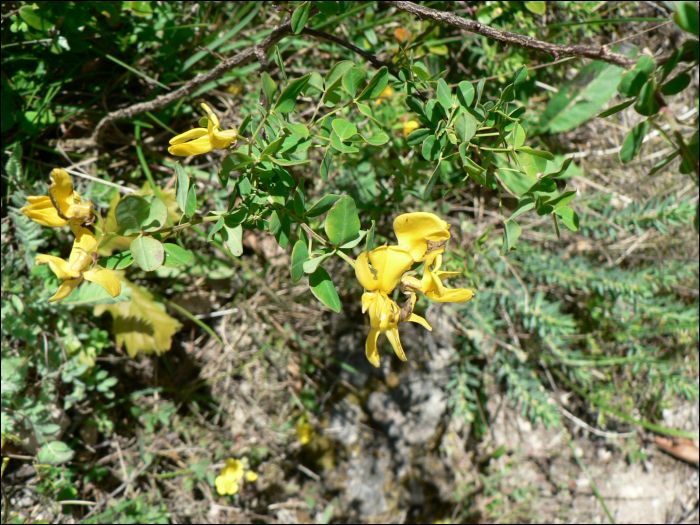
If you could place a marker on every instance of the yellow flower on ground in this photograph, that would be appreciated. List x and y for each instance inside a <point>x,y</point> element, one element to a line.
<point>79,266</point>
<point>305,432</point>
<point>387,93</point>
<point>202,140</point>
<point>421,233</point>
<point>231,474</point>
<point>431,284</point>
<point>409,127</point>
<point>389,263</point>
<point>60,206</point>
<point>251,476</point>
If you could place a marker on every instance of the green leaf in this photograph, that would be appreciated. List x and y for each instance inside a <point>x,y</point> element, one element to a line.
<point>369,240</point>
<point>191,205</point>
<point>432,147</point>
<point>322,287</point>
<point>148,252</point>
<point>280,227</point>
<point>175,255</point>
<point>616,109</point>
<point>311,265</point>
<point>538,8</point>
<point>354,241</point>
<point>333,82</point>
<point>300,254</point>
<point>183,186</point>
<point>465,126</point>
<point>35,17</point>
<point>421,71</point>
<point>633,80</point>
<point>444,95</point>
<point>568,217</point>
<point>131,212</point>
<point>507,94</point>
<point>352,80</point>
<point>561,171</point>
<point>563,199</point>
<point>431,182</point>
<point>479,91</point>
<point>314,86</point>
<point>536,152</point>
<point>344,129</point>
<point>325,168</point>
<point>367,112</point>
<point>526,203</point>
<point>299,19</point>
<point>647,104</point>
<point>288,98</point>
<point>232,236</point>
<point>337,143</point>
<point>376,85</point>
<point>57,452</point>
<point>676,85</point>
<point>662,163</point>
<point>465,93</point>
<point>511,232</point>
<point>117,261</point>
<point>342,222</point>
<point>418,136</point>
<point>323,205</point>
<point>633,142</point>
<point>433,111</point>
<point>157,215</point>
<point>300,130</point>
<point>521,74</point>
<point>273,147</point>
<point>687,16</point>
<point>328,8</point>
<point>269,88</point>
<point>378,139</point>
<point>219,224</point>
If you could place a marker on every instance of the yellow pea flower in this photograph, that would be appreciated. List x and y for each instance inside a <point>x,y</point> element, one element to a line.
<point>202,140</point>
<point>409,127</point>
<point>231,474</point>
<point>431,284</point>
<point>387,93</point>
<point>389,263</point>
<point>421,233</point>
<point>60,206</point>
<point>79,266</point>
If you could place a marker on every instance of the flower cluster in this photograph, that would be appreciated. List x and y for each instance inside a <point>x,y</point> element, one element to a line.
<point>64,206</point>
<point>422,238</point>
<point>202,140</point>
<point>231,475</point>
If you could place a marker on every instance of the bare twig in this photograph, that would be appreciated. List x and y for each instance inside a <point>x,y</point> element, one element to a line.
<point>506,37</point>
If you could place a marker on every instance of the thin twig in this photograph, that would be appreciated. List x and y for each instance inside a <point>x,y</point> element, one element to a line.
<point>556,50</point>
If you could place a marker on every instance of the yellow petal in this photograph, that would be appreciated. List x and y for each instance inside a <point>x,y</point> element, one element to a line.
<point>61,191</point>
<point>409,127</point>
<point>66,289</point>
<point>415,230</point>
<point>251,476</point>
<point>391,262</point>
<point>223,139</point>
<point>367,299</point>
<point>58,266</point>
<point>107,279</point>
<point>393,335</point>
<point>371,347</point>
<point>194,147</point>
<point>188,135</point>
<point>456,295</point>
<point>415,318</point>
<point>42,211</point>
<point>368,279</point>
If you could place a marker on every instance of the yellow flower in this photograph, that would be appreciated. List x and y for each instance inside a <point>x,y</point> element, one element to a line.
<point>421,234</point>
<point>387,93</point>
<point>389,263</point>
<point>409,127</point>
<point>305,432</point>
<point>431,284</point>
<point>61,206</point>
<point>251,476</point>
<point>231,474</point>
<point>79,266</point>
<point>202,140</point>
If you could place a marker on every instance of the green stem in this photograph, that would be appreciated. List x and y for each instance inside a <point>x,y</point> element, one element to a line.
<point>192,318</point>
<point>346,258</point>
<point>144,164</point>
<point>252,139</point>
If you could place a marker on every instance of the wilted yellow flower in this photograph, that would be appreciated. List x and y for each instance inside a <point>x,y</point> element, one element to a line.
<point>61,206</point>
<point>79,266</point>
<point>409,127</point>
<point>431,284</point>
<point>202,140</point>
<point>387,93</point>
<point>305,432</point>
<point>421,234</point>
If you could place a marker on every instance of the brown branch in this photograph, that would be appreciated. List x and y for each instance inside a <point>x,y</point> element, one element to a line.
<point>241,58</point>
<point>506,37</point>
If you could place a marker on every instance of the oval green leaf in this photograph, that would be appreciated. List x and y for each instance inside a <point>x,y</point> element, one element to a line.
<point>322,287</point>
<point>148,252</point>
<point>288,99</point>
<point>175,255</point>
<point>300,254</point>
<point>130,213</point>
<point>342,222</point>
